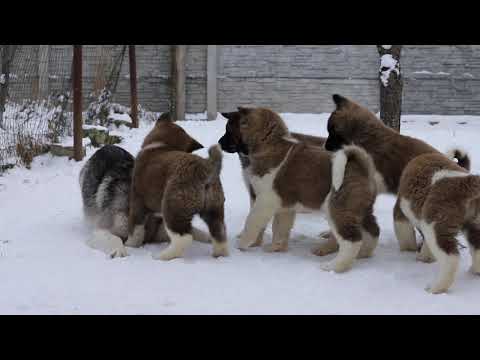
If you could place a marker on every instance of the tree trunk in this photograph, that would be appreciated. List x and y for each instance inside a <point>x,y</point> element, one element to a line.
<point>391,85</point>
<point>77,103</point>
<point>133,85</point>
<point>7,52</point>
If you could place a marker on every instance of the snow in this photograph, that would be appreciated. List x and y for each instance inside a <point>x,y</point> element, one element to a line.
<point>388,64</point>
<point>3,79</point>
<point>47,268</point>
<point>116,116</point>
<point>426,72</point>
<point>96,127</point>
<point>68,141</point>
<point>387,47</point>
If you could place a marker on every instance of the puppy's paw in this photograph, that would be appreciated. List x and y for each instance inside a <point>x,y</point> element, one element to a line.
<point>425,258</point>
<point>436,289</point>
<point>336,266</point>
<point>166,255</point>
<point>324,249</point>
<point>132,242</point>
<point>275,247</point>
<point>220,250</point>
<point>119,252</point>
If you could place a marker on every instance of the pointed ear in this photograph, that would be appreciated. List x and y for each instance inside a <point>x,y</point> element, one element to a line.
<point>229,115</point>
<point>194,145</point>
<point>244,110</point>
<point>339,100</point>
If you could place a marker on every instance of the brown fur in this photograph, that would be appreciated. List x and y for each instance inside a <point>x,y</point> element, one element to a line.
<point>352,123</point>
<point>170,181</point>
<point>305,177</point>
<point>450,205</point>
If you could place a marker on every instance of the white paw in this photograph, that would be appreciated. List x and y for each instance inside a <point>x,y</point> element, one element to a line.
<point>220,250</point>
<point>436,289</point>
<point>425,258</point>
<point>131,242</point>
<point>243,244</point>
<point>166,255</point>
<point>474,271</point>
<point>119,252</point>
<point>275,247</point>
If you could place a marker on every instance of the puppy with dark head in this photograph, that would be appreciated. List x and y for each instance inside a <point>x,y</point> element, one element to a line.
<point>231,142</point>
<point>289,177</point>
<point>442,199</point>
<point>174,185</point>
<point>352,123</point>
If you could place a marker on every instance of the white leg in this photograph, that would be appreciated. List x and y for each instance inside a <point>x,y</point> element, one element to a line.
<point>448,263</point>
<point>136,239</point>
<point>328,247</point>
<point>220,248</point>
<point>475,253</point>
<point>178,244</point>
<point>347,253</point>
<point>258,218</point>
<point>200,235</point>
<point>282,225</point>
<point>405,234</point>
<point>425,255</point>
<point>108,243</point>
<point>369,244</point>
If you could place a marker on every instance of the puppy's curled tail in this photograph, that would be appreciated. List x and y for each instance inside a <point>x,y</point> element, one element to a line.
<point>348,154</point>
<point>215,157</point>
<point>461,156</point>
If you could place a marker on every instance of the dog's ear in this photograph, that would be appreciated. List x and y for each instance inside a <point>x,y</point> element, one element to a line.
<point>229,115</point>
<point>339,100</point>
<point>244,111</point>
<point>194,145</point>
<point>165,117</point>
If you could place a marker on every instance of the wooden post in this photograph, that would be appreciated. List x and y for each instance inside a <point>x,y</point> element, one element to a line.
<point>6,56</point>
<point>133,85</point>
<point>177,99</point>
<point>77,103</point>
<point>212,82</point>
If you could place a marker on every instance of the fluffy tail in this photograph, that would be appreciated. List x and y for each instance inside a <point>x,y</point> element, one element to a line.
<point>351,153</point>
<point>215,160</point>
<point>461,156</point>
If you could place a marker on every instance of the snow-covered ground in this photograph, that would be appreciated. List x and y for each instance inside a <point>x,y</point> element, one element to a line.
<point>46,267</point>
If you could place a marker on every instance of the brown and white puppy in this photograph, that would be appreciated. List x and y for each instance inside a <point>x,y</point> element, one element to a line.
<point>231,142</point>
<point>289,177</point>
<point>441,199</point>
<point>174,185</point>
<point>352,123</point>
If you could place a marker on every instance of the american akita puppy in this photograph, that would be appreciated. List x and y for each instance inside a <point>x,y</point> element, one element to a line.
<point>231,142</point>
<point>174,185</point>
<point>288,177</point>
<point>352,123</point>
<point>440,198</point>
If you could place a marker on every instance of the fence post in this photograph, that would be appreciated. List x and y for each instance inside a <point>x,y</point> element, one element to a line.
<point>212,82</point>
<point>177,99</point>
<point>77,103</point>
<point>6,55</point>
<point>133,85</point>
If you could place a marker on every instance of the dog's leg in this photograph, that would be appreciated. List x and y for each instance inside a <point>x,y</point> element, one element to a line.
<point>472,233</point>
<point>214,218</point>
<point>370,234</point>
<point>425,255</point>
<point>136,218</point>
<point>261,213</point>
<point>178,244</point>
<point>442,243</point>
<point>328,247</point>
<point>282,225</point>
<point>348,233</point>
<point>259,240</point>
<point>404,231</point>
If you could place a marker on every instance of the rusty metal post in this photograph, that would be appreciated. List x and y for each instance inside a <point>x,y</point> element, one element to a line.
<point>77,103</point>
<point>133,85</point>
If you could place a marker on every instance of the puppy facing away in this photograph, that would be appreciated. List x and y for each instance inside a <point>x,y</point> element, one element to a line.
<point>289,177</point>
<point>174,185</point>
<point>105,184</point>
<point>231,142</point>
<point>352,123</point>
<point>441,199</point>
